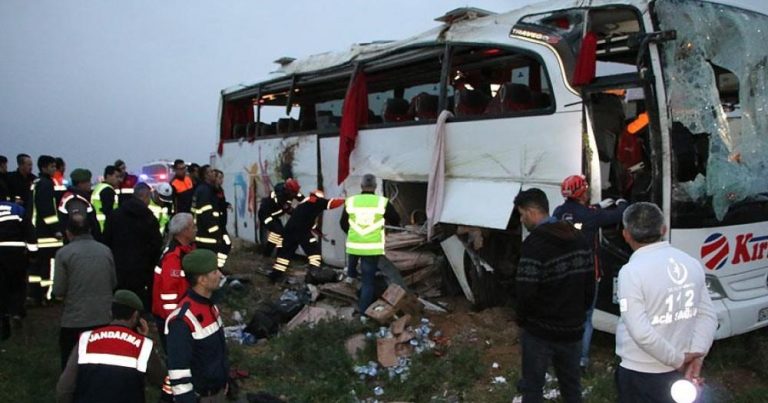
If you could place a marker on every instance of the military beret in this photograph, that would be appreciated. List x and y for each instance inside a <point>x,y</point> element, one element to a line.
<point>129,299</point>
<point>199,261</point>
<point>80,175</point>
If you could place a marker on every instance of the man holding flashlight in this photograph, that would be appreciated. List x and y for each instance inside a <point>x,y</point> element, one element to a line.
<point>667,320</point>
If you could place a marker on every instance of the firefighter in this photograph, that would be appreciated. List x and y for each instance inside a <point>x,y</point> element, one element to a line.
<point>48,231</point>
<point>59,180</point>
<point>13,264</point>
<point>77,200</point>
<point>223,207</point>
<point>127,182</point>
<point>161,205</point>
<point>104,198</point>
<point>197,352</point>
<point>111,363</point>
<point>273,208</point>
<point>363,220</point>
<point>300,230</point>
<point>183,188</point>
<point>207,215</point>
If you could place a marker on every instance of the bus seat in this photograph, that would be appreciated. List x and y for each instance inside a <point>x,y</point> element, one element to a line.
<point>238,131</point>
<point>510,98</point>
<point>307,124</point>
<point>286,125</point>
<point>373,118</point>
<point>470,102</point>
<point>540,100</point>
<point>396,110</point>
<point>424,106</point>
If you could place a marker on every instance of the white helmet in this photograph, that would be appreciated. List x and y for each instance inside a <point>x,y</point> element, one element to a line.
<point>164,192</point>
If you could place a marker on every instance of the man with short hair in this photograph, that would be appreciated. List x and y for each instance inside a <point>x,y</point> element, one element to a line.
<point>207,212</point>
<point>363,220</point>
<point>127,182</point>
<point>104,198</point>
<point>133,234</point>
<point>85,277</point>
<point>554,288</point>
<point>48,231</point>
<point>110,362</point>
<point>59,182</point>
<point>20,182</point>
<point>183,188</point>
<point>197,352</point>
<point>667,322</point>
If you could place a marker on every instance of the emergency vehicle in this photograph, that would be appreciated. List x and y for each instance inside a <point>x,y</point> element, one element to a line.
<point>660,101</point>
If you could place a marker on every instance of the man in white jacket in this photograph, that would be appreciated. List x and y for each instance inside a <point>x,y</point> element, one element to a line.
<point>667,319</point>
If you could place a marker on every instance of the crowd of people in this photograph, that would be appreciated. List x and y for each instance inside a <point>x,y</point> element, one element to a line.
<point>125,251</point>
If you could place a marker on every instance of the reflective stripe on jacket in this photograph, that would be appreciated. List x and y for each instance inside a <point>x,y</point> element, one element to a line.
<point>366,224</point>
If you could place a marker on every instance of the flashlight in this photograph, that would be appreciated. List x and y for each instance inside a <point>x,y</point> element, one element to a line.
<point>684,391</point>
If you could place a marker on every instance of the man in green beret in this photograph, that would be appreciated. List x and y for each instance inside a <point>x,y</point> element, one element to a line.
<point>197,353</point>
<point>77,199</point>
<point>110,363</point>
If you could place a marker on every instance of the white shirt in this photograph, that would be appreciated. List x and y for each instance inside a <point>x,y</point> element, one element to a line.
<point>665,309</point>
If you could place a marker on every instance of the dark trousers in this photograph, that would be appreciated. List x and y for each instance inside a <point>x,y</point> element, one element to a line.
<point>308,243</point>
<point>642,387</point>
<point>68,337</point>
<point>13,281</point>
<point>138,282</point>
<point>368,267</point>
<point>538,353</point>
<point>40,274</point>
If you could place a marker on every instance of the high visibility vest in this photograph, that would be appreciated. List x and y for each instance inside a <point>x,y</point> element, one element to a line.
<point>96,202</point>
<point>161,213</point>
<point>366,224</point>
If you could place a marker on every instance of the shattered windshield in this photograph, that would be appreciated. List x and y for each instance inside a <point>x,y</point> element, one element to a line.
<point>716,77</point>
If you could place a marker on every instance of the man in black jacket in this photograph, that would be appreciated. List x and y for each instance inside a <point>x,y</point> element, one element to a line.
<point>208,212</point>
<point>554,286</point>
<point>133,234</point>
<point>48,230</point>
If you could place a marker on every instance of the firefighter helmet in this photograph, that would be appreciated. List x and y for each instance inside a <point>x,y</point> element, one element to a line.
<point>574,187</point>
<point>292,186</point>
<point>164,192</point>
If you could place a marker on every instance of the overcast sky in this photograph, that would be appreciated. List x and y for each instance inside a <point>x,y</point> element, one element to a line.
<point>92,81</point>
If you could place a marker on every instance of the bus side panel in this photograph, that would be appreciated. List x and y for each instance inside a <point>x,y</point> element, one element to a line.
<point>333,247</point>
<point>252,169</point>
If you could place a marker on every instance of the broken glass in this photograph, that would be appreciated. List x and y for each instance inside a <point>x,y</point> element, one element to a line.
<point>711,37</point>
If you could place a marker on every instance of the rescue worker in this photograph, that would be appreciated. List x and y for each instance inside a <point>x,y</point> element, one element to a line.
<point>20,183</point>
<point>588,219</point>
<point>207,215</point>
<point>13,265</point>
<point>104,198</point>
<point>112,362</point>
<point>48,231</point>
<point>127,182</point>
<point>183,188</point>
<point>77,200</point>
<point>169,285</point>
<point>300,231</point>
<point>225,242</point>
<point>363,220</point>
<point>197,351</point>
<point>273,208</point>
<point>161,205</point>
<point>59,180</point>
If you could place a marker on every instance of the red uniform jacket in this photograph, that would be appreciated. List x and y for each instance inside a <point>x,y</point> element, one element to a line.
<point>169,284</point>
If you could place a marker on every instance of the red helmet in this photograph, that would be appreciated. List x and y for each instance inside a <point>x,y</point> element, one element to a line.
<point>574,187</point>
<point>292,185</point>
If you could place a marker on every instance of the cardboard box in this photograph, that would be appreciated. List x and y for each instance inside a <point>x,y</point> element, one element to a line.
<point>393,294</point>
<point>402,301</point>
<point>380,311</point>
<point>403,350</point>
<point>386,352</point>
<point>400,324</point>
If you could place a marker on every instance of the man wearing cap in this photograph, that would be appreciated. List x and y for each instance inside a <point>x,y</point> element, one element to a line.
<point>161,205</point>
<point>208,213</point>
<point>363,220</point>
<point>84,279</point>
<point>111,362</point>
<point>104,198</point>
<point>197,353</point>
<point>77,199</point>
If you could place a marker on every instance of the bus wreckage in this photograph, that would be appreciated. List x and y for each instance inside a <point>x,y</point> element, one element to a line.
<point>663,101</point>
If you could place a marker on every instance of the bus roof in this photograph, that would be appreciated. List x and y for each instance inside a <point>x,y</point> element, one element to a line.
<point>484,29</point>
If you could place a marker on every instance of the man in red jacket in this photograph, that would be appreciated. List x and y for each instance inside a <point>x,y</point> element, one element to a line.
<point>169,284</point>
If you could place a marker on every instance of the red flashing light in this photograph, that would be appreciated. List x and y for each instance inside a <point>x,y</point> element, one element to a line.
<point>491,52</point>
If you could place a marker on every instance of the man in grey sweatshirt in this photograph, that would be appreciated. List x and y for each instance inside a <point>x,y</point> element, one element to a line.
<point>667,319</point>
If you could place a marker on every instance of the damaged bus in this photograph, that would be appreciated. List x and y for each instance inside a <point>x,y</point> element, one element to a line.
<point>663,101</point>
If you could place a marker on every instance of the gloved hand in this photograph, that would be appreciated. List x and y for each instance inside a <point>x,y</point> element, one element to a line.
<point>621,201</point>
<point>606,203</point>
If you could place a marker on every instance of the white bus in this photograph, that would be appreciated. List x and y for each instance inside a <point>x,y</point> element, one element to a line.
<point>536,94</point>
